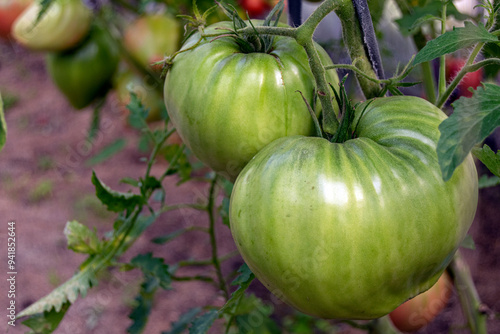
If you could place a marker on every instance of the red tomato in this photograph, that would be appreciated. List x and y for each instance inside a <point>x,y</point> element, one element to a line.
<point>255,8</point>
<point>9,11</point>
<point>422,309</point>
<point>473,79</point>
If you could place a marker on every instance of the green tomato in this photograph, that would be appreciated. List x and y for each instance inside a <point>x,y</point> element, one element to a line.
<point>85,73</point>
<point>352,230</point>
<point>63,26</point>
<point>227,104</point>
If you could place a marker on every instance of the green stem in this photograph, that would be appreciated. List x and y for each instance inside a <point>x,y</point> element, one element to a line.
<point>382,326</point>
<point>446,95</point>
<point>472,307</point>
<point>442,59</point>
<point>213,241</point>
<point>193,278</point>
<point>428,81</point>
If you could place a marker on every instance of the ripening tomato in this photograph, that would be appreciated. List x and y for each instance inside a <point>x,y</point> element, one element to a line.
<point>352,230</point>
<point>422,309</point>
<point>62,27</point>
<point>152,37</point>
<point>470,80</point>
<point>9,11</point>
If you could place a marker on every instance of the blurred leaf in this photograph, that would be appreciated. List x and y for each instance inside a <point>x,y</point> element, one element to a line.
<point>130,181</point>
<point>224,211</point>
<point>81,239</point>
<point>251,308</point>
<point>115,201</point>
<point>409,22</point>
<point>140,312</point>
<point>468,242</point>
<point>107,152</point>
<point>153,267</point>
<point>202,324</point>
<point>488,158</point>
<point>46,322</point>
<point>244,279</point>
<point>138,112</point>
<point>169,237</point>
<point>451,41</point>
<point>179,162</point>
<point>185,319</point>
<point>486,181</point>
<point>472,121</point>
<point>3,126</point>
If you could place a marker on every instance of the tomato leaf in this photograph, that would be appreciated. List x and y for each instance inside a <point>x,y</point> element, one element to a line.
<point>486,181</point>
<point>451,41</point>
<point>488,158</point>
<point>202,324</point>
<point>473,120</point>
<point>468,242</point>
<point>420,15</point>
<point>81,239</point>
<point>48,321</point>
<point>244,279</point>
<point>251,307</point>
<point>138,112</point>
<point>156,275</point>
<point>3,126</point>
<point>185,319</point>
<point>115,201</point>
<point>107,152</point>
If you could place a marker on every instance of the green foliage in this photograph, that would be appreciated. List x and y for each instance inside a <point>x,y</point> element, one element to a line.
<point>41,191</point>
<point>81,239</point>
<point>179,162</point>
<point>115,201</point>
<point>473,120</point>
<point>486,181</point>
<point>107,152</point>
<point>3,126</point>
<point>138,112</point>
<point>488,158</point>
<point>202,324</point>
<point>451,41</point>
<point>46,322</point>
<point>184,321</point>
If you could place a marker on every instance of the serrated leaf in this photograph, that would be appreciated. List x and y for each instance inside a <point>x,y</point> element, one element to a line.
<point>179,162</point>
<point>202,324</point>
<point>46,322</point>
<point>153,267</point>
<point>488,158</point>
<point>68,292</point>
<point>140,313</point>
<point>244,279</point>
<point>451,41</point>
<point>81,239</point>
<point>486,181</point>
<point>409,22</point>
<point>185,319</point>
<point>422,20</point>
<point>3,126</point>
<point>107,152</point>
<point>472,121</point>
<point>115,201</point>
<point>138,112</point>
<point>142,223</point>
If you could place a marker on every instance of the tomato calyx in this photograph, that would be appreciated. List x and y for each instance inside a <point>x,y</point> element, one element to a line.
<point>254,41</point>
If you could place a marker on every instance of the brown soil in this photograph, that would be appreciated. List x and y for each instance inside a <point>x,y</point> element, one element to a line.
<point>45,182</point>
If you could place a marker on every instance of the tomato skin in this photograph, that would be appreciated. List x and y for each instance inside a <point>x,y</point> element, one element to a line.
<point>255,8</point>
<point>85,73</point>
<point>422,309</point>
<point>152,37</point>
<point>9,11</point>
<point>352,230</point>
<point>64,25</point>
<point>470,80</point>
<point>227,105</point>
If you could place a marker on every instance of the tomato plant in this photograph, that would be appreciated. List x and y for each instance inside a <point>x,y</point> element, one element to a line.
<point>422,309</point>
<point>9,11</point>
<point>152,37</point>
<point>325,225</point>
<point>85,73</point>
<point>64,24</point>
<point>228,103</point>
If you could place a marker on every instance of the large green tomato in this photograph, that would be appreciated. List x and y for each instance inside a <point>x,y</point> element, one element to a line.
<point>353,230</point>
<point>85,73</point>
<point>63,26</point>
<point>227,104</point>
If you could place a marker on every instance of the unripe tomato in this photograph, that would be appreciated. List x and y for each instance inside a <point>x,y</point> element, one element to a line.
<point>85,73</point>
<point>9,11</point>
<point>422,309</point>
<point>352,230</point>
<point>127,82</point>
<point>228,104</point>
<point>150,38</point>
<point>63,26</point>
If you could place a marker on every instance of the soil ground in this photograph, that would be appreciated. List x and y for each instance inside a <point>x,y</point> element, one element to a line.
<point>45,182</point>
